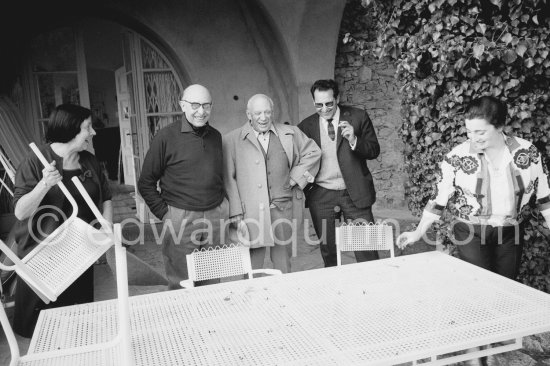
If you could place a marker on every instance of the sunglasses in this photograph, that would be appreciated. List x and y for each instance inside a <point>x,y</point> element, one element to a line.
<point>321,105</point>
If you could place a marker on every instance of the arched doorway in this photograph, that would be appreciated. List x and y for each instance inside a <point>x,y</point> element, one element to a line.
<point>130,85</point>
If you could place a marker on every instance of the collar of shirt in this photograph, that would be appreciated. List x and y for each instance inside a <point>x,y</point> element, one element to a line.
<point>335,121</point>
<point>272,129</point>
<point>506,159</point>
<point>187,127</point>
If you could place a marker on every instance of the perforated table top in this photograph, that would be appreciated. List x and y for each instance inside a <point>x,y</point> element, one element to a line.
<point>382,312</point>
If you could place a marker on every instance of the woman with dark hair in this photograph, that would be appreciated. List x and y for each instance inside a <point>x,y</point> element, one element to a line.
<point>41,207</point>
<point>491,178</point>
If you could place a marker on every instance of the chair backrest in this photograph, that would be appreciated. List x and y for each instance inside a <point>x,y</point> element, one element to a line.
<point>120,346</point>
<point>219,262</point>
<point>64,254</point>
<point>59,259</point>
<point>363,236</point>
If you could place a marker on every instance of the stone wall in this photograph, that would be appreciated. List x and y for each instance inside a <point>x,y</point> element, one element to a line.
<point>369,83</point>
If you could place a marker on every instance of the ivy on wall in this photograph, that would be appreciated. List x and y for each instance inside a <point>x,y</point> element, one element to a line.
<point>448,52</point>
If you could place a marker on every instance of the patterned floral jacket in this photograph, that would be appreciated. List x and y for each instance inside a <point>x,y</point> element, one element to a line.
<point>463,177</point>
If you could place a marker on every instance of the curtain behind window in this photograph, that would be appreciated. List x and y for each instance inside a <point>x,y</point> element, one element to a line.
<point>14,139</point>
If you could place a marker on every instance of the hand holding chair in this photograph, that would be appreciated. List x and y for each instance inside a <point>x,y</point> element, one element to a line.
<point>62,256</point>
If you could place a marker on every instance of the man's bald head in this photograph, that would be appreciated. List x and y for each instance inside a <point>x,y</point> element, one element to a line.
<point>196,103</point>
<point>196,91</point>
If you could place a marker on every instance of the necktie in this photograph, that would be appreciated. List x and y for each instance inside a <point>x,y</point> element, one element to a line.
<point>330,128</point>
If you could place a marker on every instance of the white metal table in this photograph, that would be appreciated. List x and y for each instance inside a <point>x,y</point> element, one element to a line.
<point>383,312</point>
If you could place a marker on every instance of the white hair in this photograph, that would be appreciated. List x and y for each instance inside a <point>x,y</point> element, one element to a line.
<point>256,96</point>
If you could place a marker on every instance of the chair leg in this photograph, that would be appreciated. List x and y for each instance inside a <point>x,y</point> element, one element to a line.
<point>122,291</point>
<point>10,336</point>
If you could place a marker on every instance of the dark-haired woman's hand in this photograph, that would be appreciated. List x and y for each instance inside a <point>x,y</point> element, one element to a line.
<point>50,175</point>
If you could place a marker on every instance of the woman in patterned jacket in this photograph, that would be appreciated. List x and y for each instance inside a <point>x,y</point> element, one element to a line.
<point>491,178</point>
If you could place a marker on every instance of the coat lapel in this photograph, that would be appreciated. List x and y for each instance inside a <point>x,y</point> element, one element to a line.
<point>316,131</point>
<point>344,116</point>
<point>285,136</point>
<point>247,132</point>
<point>339,138</point>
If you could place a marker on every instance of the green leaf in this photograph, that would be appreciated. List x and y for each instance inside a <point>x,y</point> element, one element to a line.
<point>478,50</point>
<point>507,38</point>
<point>529,63</point>
<point>509,56</point>
<point>346,39</point>
<point>511,84</point>
<point>524,115</point>
<point>481,28</point>
<point>521,48</point>
<point>459,64</point>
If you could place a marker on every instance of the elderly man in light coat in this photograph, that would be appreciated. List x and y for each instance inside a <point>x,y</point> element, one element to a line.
<point>266,166</point>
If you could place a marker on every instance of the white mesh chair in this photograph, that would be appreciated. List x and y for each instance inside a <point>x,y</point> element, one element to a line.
<point>117,351</point>
<point>219,262</point>
<point>62,256</point>
<point>363,236</point>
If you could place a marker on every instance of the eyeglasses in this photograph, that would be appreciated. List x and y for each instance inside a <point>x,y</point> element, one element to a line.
<point>321,105</point>
<point>195,106</point>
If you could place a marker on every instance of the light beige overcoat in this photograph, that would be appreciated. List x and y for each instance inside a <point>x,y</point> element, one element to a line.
<point>246,182</point>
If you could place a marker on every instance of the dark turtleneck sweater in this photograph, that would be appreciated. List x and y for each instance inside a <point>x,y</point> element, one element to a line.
<point>188,163</point>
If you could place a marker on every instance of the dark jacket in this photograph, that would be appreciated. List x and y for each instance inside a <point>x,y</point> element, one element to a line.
<point>353,163</point>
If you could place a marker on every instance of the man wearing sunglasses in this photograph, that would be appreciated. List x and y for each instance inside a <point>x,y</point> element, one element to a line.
<point>185,158</point>
<point>343,187</point>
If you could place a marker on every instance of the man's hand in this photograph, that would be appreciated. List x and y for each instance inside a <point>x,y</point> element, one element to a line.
<point>347,131</point>
<point>242,230</point>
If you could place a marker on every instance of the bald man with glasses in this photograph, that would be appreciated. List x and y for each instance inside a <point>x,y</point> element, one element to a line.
<point>343,189</point>
<point>185,158</point>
